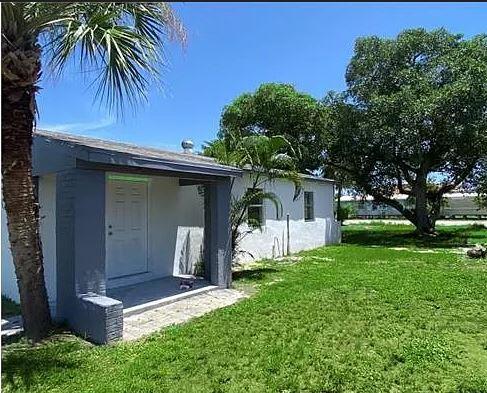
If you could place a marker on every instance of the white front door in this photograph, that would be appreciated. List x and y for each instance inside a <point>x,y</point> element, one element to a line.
<point>126,228</point>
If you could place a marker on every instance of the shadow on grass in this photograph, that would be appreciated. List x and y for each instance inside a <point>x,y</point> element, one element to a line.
<point>253,274</point>
<point>403,236</point>
<point>24,363</point>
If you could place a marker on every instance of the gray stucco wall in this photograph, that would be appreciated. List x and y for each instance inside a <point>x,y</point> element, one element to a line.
<point>80,233</point>
<point>218,258</point>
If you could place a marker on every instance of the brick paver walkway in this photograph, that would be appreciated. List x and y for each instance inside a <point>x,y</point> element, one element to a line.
<point>136,326</point>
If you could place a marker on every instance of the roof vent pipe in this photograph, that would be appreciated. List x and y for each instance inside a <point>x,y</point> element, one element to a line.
<point>187,145</point>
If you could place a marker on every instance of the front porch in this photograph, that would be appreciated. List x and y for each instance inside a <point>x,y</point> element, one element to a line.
<point>148,295</point>
<point>128,220</point>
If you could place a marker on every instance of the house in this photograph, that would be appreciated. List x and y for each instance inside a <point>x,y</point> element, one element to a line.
<point>456,204</point>
<point>311,218</point>
<point>120,224</point>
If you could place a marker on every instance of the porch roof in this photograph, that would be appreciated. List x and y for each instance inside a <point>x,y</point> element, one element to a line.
<point>56,151</point>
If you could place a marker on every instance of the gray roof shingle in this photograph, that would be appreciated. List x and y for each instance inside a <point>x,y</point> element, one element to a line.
<point>135,150</point>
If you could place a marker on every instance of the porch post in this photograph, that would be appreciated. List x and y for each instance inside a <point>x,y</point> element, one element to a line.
<point>217,250</point>
<point>81,276</point>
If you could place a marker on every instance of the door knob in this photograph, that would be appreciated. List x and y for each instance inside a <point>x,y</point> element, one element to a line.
<point>109,226</point>
<point>109,233</point>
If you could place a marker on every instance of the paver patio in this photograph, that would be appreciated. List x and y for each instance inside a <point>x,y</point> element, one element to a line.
<point>150,321</point>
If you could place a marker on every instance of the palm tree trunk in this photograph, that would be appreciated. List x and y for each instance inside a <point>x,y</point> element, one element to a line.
<point>20,72</point>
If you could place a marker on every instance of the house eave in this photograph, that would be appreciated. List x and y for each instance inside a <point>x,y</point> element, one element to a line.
<point>100,156</point>
<point>53,155</point>
<point>305,176</point>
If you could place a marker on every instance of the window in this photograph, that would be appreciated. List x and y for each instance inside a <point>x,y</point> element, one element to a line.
<point>309,209</point>
<point>255,210</point>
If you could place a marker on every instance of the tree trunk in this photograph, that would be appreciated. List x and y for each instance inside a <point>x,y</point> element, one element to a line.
<point>436,209</point>
<point>422,220</point>
<point>20,73</point>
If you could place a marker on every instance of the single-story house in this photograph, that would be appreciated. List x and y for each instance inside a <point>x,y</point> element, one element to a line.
<point>121,224</point>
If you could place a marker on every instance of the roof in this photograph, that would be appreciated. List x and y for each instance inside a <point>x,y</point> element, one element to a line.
<point>316,178</point>
<point>103,145</point>
<point>144,152</point>
<point>306,176</point>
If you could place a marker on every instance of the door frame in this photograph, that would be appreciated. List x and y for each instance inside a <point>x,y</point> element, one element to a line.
<point>146,275</point>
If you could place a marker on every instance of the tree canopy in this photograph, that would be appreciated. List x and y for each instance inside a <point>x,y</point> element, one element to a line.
<point>413,119</point>
<point>279,109</point>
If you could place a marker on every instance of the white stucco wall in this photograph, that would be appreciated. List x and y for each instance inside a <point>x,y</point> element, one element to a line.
<point>47,213</point>
<point>303,235</point>
<point>176,222</point>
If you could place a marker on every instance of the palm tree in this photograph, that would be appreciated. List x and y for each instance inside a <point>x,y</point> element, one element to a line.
<point>122,46</point>
<point>266,159</point>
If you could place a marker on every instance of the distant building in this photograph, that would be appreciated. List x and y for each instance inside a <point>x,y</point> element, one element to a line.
<point>457,205</point>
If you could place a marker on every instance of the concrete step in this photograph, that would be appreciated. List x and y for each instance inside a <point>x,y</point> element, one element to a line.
<point>182,311</point>
<point>166,300</point>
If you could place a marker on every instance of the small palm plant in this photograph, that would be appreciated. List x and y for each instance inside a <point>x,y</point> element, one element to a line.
<point>121,44</point>
<point>266,159</point>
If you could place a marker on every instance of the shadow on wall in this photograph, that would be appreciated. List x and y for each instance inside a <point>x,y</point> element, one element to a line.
<point>185,254</point>
<point>334,231</point>
<point>188,262</point>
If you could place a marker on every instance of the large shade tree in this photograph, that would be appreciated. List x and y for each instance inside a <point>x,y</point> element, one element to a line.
<point>413,119</point>
<point>279,109</point>
<point>121,45</point>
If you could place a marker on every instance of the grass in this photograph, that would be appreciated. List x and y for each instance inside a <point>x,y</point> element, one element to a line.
<point>9,307</point>
<point>360,317</point>
<point>401,235</point>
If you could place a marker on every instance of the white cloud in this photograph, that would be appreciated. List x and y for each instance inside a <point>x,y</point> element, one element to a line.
<point>78,127</point>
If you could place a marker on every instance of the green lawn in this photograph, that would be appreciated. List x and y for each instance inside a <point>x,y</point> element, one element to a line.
<point>401,235</point>
<point>367,316</point>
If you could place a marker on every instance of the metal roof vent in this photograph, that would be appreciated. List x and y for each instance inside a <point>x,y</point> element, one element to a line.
<point>187,145</point>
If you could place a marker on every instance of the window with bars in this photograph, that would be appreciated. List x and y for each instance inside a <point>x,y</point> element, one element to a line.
<point>309,209</point>
<point>255,210</point>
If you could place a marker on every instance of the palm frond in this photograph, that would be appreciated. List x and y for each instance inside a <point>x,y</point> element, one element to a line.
<point>120,44</point>
<point>267,159</point>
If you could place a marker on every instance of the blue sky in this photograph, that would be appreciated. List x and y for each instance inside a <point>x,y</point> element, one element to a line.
<point>233,48</point>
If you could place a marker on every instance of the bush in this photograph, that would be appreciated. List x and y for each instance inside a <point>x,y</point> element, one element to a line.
<point>345,212</point>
